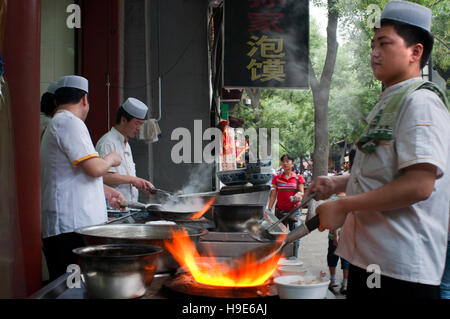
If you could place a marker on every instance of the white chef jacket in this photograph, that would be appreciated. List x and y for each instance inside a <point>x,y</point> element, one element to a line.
<point>43,123</point>
<point>70,198</point>
<point>114,141</point>
<point>408,243</point>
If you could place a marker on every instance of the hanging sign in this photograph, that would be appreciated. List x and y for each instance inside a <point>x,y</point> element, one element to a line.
<point>266,43</point>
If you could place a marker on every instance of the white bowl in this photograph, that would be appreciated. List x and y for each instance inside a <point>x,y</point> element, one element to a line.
<point>292,287</point>
<point>292,270</point>
<point>290,262</point>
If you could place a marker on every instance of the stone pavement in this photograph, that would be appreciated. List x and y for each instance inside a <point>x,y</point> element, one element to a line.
<point>313,252</point>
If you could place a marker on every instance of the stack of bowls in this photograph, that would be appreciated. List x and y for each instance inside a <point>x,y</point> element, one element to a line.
<point>257,173</point>
<point>233,177</point>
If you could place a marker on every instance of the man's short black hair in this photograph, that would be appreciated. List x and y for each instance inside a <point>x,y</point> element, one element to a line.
<point>66,95</point>
<point>289,157</point>
<point>48,103</point>
<point>413,35</point>
<point>122,113</point>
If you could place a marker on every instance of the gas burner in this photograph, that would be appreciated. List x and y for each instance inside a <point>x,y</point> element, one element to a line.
<point>185,284</point>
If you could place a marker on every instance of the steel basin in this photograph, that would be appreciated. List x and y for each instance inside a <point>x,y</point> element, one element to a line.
<point>232,218</point>
<point>117,271</point>
<point>140,234</point>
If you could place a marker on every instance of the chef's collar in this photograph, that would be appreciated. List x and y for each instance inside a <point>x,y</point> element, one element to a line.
<point>119,135</point>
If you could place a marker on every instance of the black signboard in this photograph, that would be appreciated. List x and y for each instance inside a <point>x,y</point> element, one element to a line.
<point>266,43</point>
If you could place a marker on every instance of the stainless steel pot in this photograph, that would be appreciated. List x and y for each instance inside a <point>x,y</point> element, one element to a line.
<point>233,218</point>
<point>117,271</point>
<point>139,234</point>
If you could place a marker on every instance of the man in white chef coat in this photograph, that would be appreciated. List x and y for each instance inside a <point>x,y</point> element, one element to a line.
<point>72,190</point>
<point>130,118</point>
<point>395,216</point>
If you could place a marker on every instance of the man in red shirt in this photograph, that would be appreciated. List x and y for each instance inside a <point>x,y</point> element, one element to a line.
<point>284,186</point>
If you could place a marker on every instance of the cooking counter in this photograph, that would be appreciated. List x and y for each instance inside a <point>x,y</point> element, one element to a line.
<point>221,244</point>
<point>58,289</point>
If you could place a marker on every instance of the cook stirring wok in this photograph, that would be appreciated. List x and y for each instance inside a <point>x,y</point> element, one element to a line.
<point>130,118</point>
<point>396,212</point>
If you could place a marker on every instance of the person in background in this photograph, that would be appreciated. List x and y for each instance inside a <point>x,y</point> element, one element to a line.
<point>72,190</point>
<point>333,259</point>
<point>130,118</point>
<point>48,107</point>
<point>395,213</point>
<point>333,239</point>
<point>285,186</point>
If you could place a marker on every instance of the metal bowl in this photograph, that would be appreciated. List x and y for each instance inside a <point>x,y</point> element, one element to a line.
<point>232,218</point>
<point>233,177</point>
<point>140,234</point>
<point>117,271</point>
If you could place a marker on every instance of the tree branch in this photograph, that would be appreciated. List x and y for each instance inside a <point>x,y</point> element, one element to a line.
<point>332,45</point>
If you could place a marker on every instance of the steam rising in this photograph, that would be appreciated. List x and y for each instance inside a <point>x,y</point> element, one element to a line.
<point>199,180</point>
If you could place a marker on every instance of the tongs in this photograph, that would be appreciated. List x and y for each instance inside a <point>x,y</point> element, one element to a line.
<point>260,233</point>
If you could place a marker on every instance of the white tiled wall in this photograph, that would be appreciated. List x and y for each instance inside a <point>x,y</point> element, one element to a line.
<point>57,42</point>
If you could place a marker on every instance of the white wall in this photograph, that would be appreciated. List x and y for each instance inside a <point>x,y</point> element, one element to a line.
<point>57,42</point>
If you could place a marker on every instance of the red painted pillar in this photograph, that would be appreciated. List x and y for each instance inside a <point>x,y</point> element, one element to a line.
<point>100,62</point>
<point>22,67</point>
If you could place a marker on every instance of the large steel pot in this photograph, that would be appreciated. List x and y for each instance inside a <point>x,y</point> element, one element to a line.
<point>233,218</point>
<point>142,235</point>
<point>117,271</point>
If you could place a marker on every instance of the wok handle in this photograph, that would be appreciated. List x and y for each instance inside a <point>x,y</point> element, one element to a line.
<point>313,223</point>
<point>303,229</point>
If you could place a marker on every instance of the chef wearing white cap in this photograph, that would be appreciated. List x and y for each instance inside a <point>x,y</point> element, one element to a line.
<point>130,118</point>
<point>72,190</point>
<point>395,214</point>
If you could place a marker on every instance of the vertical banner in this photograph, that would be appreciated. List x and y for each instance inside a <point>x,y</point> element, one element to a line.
<point>266,43</point>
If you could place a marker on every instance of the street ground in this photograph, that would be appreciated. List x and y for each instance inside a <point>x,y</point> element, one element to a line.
<point>313,252</point>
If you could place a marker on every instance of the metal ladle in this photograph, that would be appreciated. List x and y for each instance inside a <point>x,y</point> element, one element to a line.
<point>267,251</point>
<point>261,233</point>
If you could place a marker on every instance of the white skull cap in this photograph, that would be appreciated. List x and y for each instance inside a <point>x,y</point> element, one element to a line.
<point>408,12</point>
<point>135,108</point>
<point>53,86</point>
<point>73,81</point>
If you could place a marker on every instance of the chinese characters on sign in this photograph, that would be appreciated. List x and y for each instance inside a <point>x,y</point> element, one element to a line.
<point>272,66</point>
<point>266,43</point>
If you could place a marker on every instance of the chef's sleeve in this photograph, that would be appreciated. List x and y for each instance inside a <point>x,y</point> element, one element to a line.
<point>423,131</point>
<point>75,141</point>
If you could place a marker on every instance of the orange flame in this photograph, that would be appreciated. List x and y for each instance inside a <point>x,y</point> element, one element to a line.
<point>208,270</point>
<point>205,208</point>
